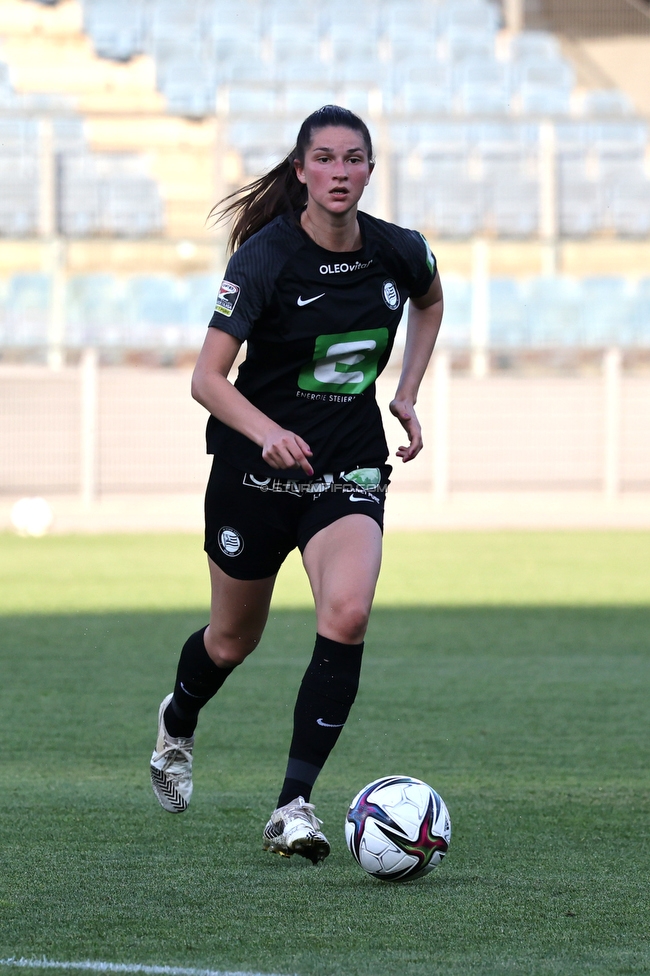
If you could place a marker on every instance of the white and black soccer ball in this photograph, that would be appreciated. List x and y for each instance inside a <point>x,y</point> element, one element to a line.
<point>398,828</point>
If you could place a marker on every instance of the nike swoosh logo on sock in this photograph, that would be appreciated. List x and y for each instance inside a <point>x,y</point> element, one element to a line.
<point>189,692</point>
<point>328,725</point>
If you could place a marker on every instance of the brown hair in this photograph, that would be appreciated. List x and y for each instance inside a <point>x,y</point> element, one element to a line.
<point>280,191</point>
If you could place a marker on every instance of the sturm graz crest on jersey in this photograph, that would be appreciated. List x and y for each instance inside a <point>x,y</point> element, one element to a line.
<point>390,294</point>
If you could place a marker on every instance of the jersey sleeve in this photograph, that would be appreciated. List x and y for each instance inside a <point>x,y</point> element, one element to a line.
<point>421,262</point>
<point>240,299</point>
<point>250,279</point>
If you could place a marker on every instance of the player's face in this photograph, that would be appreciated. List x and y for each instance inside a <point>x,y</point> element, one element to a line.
<point>336,168</point>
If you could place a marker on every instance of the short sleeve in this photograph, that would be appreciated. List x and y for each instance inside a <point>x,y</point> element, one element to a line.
<point>423,265</point>
<point>250,278</point>
<point>240,299</point>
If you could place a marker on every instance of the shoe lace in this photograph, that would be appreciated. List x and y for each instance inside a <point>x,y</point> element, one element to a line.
<point>177,753</point>
<point>308,810</point>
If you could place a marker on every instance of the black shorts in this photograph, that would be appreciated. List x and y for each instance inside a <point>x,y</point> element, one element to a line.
<point>252,524</point>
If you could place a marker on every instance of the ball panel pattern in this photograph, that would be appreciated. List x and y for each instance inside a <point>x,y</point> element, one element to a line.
<point>398,828</point>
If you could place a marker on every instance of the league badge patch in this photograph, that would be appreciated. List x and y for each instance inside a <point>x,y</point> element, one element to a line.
<point>227,298</point>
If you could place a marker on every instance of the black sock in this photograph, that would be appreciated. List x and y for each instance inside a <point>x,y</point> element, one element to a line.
<point>198,679</point>
<point>326,696</point>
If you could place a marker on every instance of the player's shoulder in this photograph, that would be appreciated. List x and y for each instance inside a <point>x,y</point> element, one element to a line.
<point>274,242</point>
<point>411,246</point>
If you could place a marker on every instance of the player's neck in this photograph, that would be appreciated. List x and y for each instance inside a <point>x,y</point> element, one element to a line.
<point>334,232</point>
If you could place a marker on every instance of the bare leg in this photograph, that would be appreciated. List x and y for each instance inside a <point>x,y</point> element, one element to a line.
<point>238,615</point>
<point>343,562</point>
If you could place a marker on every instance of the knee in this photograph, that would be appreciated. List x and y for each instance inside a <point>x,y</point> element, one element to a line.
<point>346,621</point>
<point>228,650</point>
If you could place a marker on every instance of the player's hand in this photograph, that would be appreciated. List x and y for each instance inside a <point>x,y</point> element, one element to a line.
<point>405,413</point>
<point>283,449</point>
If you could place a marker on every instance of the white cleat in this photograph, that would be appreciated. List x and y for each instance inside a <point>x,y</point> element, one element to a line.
<point>294,829</point>
<point>171,766</point>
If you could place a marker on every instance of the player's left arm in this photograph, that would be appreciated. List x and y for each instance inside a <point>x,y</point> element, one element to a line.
<point>425,316</point>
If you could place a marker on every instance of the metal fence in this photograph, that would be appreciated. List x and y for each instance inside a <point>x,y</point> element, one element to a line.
<point>97,430</point>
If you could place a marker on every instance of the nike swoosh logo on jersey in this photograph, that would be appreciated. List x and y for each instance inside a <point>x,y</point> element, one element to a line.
<point>363,498</point>
<point>307,301</point>
<point>328,725</point>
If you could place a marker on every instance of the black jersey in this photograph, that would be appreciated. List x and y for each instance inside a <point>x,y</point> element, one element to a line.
<point>320,327</point>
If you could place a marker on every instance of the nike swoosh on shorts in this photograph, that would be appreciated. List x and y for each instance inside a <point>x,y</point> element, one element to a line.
<point>307,301</point>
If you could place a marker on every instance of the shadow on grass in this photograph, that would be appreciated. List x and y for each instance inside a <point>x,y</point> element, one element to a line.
<point>531,722</point>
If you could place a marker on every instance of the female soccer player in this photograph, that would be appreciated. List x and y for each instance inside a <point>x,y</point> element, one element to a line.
<point>316,290</point>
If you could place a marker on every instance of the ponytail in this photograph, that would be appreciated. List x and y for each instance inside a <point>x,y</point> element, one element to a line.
<point>258,203</point>
<point>280,191</point>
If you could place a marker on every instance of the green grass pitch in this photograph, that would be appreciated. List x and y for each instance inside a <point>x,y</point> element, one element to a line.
<point>509,670</point>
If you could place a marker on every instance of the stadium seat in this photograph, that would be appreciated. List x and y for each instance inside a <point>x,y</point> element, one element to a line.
<point>69,134</point>
<point>622,167</point>
<point>107,194</point>
<point>27,304</point>
<point>458,47</point>
<point>457,208</point>
<point>434,98</point>
<point>200,297</point>
<point>19,194</point>
<point>468,17</point>
<point>132,208</point>
<point>606,310</point>
<point>117,27</point>
<point>157,300</point>
<point>504,137</point>
<point>289,49</point>
<point>640,325</point>
<point>629,208</point>
<point>341,18</point>
<point>552,311</point>
<point>483,87</point>
<point>302,101</point>
<point>513,207</point>
<point>610,138</point>
<point>358,98</point>
<point>403,20</point>
<point>251,101</point>
<point>609,101</point>
<point>96,310</point>
<point>19,134</point>
<point>544,87</point>
<point>189,87</point>
<point>419,50</point>
<point>534,45</point>
<point>507,314</point>
<point>7,95</point>
<point>580,208</point>
<point>440,137</point>
<point>458,311</point>
<point>247,68</point>
<point>350,48</point>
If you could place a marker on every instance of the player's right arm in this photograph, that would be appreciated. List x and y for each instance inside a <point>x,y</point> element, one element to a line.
<point>281,449</point>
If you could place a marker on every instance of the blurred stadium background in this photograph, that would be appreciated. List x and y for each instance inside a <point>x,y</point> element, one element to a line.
<point>514,134</point>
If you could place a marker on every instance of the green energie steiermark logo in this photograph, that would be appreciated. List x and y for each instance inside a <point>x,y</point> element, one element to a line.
<point>344,363</point>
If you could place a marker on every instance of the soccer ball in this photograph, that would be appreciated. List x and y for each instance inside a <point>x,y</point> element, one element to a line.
<point>398,828</point>
<point>31,516</point>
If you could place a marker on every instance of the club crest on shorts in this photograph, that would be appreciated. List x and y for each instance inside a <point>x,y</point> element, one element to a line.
<point>230,541</point>
<point>390,294</point>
